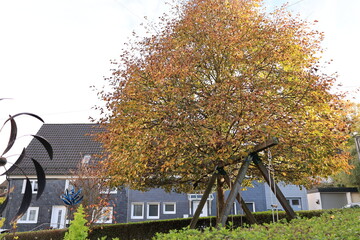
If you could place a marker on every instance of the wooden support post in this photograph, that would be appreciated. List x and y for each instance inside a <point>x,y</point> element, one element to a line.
<point>234,191</point>
<point>240,177</point>
<point>242,203</point>
<point>269,143</point>
<point>203,201</point>
<point>274,187</point>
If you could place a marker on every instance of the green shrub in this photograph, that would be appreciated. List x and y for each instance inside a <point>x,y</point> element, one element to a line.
<point>146,230</point>
<point>78,229</point>
<point>336,224</point>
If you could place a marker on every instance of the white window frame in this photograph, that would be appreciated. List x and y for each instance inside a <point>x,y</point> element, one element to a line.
<point>132,210</point>
<point>148,210</point>
<point>109,191</point>
<point>108,212</point>
<point>27,215</point>
<point>251,210</point>
<point>234,209</point>
<point>68,184</point>
<point>253,206</point>
<point>112,190</point>
<point>169,203</point>
<point>33,190</point>
<point>296,199</point>
<point>86,159</point>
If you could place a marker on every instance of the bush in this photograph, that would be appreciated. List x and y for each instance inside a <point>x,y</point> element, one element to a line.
<point>146,230</point>
<point>139,230</point>
<point>78,229</point>
<point>340,224</point>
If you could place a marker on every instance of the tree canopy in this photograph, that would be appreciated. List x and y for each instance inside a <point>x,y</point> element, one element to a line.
<point>215,79</point>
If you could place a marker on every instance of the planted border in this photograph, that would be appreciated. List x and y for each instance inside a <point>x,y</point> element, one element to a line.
<point>146,230</point>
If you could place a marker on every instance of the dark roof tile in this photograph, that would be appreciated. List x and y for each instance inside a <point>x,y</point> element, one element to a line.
<point>70,143</point>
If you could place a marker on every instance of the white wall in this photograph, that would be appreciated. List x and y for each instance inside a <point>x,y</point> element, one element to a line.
<point>314,201</point>
<point>355,197</point>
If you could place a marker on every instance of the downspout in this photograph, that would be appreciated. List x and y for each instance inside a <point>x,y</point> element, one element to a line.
<point>128,210</point>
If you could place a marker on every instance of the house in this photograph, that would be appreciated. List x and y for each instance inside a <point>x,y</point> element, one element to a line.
<point>72,144</point>
<point>332,197</point>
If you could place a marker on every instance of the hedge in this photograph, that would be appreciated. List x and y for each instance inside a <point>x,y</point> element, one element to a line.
<point>146,230</point>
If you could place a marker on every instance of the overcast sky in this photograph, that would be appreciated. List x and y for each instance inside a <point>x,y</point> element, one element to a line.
<point>52,51</point>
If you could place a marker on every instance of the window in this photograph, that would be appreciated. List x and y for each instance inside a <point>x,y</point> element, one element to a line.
<point>137,210</point>
<point>169,208</point>
<point>250,205</point>
<point>233,210</point>
<point>30,216</point>
<point>106,189</point>
<point>195,199</point>
<point>68,185</point>
<point>153,210</point>
<point>106,215</point>
<point>34,186</point>
<point>86,159</point>
<point>112,190</point>
<point>294,202</point>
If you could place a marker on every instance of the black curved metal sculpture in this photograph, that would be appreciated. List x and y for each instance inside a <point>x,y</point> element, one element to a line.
<point>25,203</point>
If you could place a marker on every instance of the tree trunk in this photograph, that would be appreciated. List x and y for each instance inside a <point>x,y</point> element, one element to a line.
<point>220,198</point>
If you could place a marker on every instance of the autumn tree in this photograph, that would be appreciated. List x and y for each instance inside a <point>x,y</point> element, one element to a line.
<point>95,190</point>
<point>215,79</point>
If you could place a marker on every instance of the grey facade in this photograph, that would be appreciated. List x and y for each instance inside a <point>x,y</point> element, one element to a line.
<point>158,200</point>
<point>295,195</point>
<point>258,198</point>
<point>45,206</point>
<point>71,142</point>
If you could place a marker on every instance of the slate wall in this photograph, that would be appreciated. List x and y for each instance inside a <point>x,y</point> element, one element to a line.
<point>51,196</point>
<point>160,196</point>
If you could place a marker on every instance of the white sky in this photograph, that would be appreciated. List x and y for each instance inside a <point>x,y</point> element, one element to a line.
<point>52,51</point>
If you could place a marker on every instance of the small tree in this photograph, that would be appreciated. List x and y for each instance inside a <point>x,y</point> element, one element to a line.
<point>95,191</point>
<point>78,229</point>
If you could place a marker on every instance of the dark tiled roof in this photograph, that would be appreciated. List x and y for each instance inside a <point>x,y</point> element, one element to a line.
<point>70,143</point>
<point>333,189</point>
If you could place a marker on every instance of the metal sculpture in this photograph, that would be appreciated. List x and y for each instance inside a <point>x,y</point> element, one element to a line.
<point>71,197</point>
<point>25,203</point>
